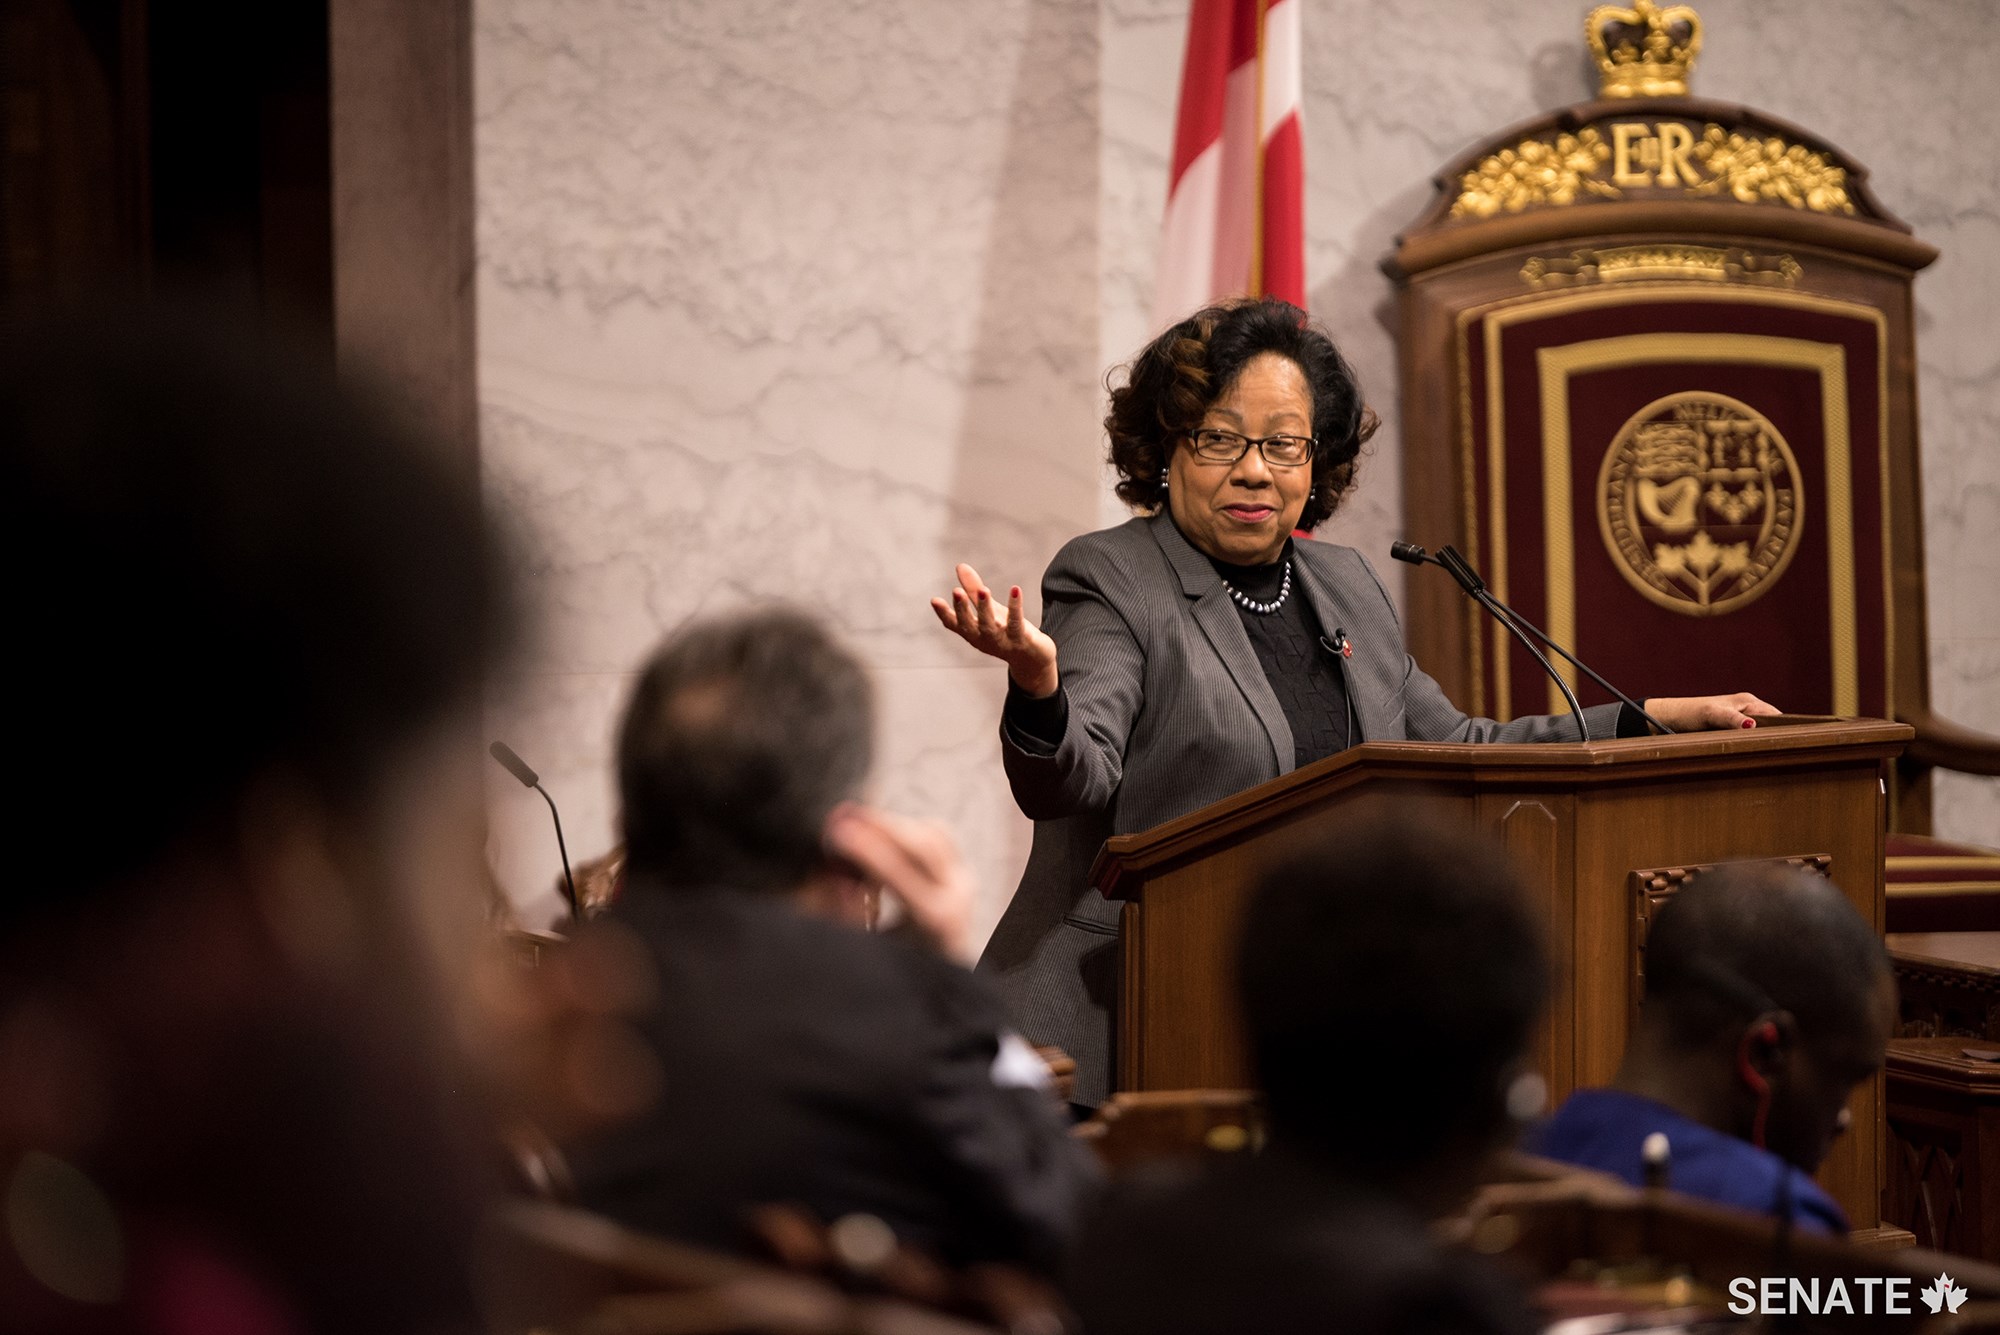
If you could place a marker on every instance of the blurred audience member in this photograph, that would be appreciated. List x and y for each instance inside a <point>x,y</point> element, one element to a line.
<point>251,626</point>
<point>1768,999</point>
<point>805,1061</point>
<point>1389,978</point>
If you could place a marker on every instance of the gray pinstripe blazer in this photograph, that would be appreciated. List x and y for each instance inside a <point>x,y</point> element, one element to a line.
<point>1169,710</point>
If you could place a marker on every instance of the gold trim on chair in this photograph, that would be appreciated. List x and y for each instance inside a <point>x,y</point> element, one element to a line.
<point>1941,862</point>
<point>1925,889</point>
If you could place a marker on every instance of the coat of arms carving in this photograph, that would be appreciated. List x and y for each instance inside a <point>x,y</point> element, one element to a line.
<point>1699,504</point>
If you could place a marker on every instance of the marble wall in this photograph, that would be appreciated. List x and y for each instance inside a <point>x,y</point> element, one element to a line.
<point>805,300</point>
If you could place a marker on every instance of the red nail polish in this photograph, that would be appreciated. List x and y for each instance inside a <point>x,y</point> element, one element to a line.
<point>1749,722</point>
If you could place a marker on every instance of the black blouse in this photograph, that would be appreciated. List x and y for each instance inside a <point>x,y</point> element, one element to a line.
<point>1299,656</point>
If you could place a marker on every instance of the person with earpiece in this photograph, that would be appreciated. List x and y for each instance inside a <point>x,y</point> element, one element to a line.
<point>1768,999</point>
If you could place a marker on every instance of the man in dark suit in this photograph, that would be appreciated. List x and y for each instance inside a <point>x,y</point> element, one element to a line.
<point>802,1059</point>
<point>1389,978</point>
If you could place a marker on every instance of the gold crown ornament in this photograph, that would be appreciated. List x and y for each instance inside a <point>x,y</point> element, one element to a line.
<point>1644,51</point>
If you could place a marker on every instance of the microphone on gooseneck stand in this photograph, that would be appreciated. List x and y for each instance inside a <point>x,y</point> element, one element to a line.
<point>1475,588</point>
<point>1417,556</point>
<point>1468,579</point>
<point>518,767</point>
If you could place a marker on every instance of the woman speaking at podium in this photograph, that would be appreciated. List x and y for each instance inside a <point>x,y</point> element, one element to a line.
<point>1197,650</point>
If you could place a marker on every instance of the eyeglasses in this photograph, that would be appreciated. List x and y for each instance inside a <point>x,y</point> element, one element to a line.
<point>1226,447</point>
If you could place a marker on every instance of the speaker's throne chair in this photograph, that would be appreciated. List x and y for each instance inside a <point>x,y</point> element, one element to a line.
<point>1659,382</point>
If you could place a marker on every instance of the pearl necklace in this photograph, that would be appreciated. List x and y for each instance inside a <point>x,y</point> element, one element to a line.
<point>1250,604</point>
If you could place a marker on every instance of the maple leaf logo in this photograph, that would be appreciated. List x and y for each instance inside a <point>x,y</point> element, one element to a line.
<point>1943,1293</point>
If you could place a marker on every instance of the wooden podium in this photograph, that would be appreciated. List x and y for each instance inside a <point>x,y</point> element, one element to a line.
<point>1603,833</point>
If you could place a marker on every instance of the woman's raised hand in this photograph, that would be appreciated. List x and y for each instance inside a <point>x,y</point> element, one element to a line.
<point>1004,633</point>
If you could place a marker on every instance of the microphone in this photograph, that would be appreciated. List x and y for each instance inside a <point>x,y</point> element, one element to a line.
<point>1475,588</point>
<point>1409,551</point>
<point>518,767</point>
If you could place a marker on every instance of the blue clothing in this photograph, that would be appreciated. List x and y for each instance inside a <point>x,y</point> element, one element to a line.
<point>1605,1129</point>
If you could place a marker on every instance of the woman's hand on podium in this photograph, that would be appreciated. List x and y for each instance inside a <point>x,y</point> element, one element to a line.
<point>1700,713</point>
<point>1005,633</point>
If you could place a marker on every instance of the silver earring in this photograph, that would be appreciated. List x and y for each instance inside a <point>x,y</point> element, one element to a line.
<point>1163,479</point>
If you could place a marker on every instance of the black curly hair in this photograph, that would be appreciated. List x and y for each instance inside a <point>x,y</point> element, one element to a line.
<point>1171,384</point>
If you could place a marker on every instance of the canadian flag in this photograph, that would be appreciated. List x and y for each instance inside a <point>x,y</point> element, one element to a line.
<point>1236,200</point>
